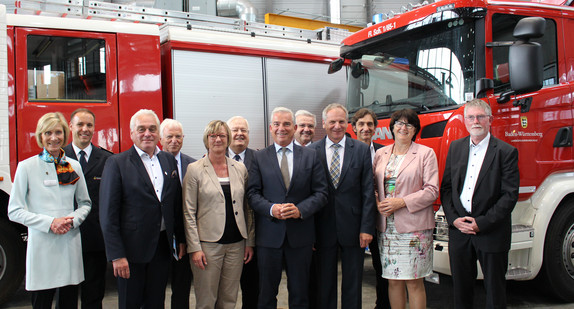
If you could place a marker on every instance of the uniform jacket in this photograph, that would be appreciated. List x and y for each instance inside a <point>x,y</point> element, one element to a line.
<point>92,239</point>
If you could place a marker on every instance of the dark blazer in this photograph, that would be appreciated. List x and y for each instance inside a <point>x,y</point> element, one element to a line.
<point>249,155</point>
<point>185,161</point>
<point>377,146</point>
<point>308,191</point>
<point>130,212</point>
<point>92,239</point>
<point>494,197</point>
<point>350,208</point>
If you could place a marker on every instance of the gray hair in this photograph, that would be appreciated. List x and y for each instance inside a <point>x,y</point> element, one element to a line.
<point>232,119</point>
<point>282,109</point>
<point>169,123</point>
<point>480,104</point>
<point>142,112</point>
<point>303,112</point>
<point>333,106</point>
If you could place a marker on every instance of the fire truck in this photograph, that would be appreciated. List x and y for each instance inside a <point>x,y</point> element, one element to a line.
<point>518,57</point>
<point>116,59</point>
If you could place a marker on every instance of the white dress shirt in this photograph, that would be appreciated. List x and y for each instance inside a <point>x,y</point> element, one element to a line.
<point>241,155</point>
<point>87,150</point>
<point>155,173</point>
<point>476,155</point>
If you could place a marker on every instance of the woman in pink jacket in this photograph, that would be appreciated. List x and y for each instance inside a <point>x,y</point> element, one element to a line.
<point>406,183</point>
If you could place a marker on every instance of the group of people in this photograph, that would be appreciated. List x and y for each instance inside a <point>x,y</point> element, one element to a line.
<point>239,217</point>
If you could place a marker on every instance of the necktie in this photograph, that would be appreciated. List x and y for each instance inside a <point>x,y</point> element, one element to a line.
<point>334,169</point>
<point>83,161</point>
<point>285,168</point>
<point>237,158</point>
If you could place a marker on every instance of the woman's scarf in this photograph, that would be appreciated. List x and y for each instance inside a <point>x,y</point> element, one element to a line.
<point>66,174</point>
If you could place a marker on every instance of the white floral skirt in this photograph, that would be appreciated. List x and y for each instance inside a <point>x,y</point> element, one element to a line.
<point>405,256</point>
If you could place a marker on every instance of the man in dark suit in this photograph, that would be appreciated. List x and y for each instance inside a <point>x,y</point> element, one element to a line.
<point>364,123</point>
<point>306,122</point>
<point>92,160</point>
<point>239,152</point>
<point>171,139</point>
<point>478,192</point>
<point>346,225</point>
<point>287,186</point>
<point>141,215</point>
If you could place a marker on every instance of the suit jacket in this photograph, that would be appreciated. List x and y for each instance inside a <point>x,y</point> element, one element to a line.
<point>185,161</point>
<point>249,155</point>
<point>308,191</point>
<point>92,239</point>
<point>495,193</point>
<point>417,184</point>
<point>204,201</point>
<point>350,208</point>
<point>131,213</point>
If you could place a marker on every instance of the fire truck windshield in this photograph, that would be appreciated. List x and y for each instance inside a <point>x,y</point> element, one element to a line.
<point>426,69</point>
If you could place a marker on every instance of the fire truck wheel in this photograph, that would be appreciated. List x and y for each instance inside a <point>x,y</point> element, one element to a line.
<point>12,260</point>
<point>558,265</point>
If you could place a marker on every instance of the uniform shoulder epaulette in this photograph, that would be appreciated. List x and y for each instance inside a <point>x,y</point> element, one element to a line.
<point>104,149</point>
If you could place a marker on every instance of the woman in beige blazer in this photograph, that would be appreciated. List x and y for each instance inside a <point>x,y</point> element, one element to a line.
<point>218,222</point>
<point>406,183</point>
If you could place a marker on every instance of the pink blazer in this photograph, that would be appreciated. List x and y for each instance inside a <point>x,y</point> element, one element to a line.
<point>417,184</point>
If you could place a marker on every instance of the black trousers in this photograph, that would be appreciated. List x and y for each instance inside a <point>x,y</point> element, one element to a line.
<point>250,283</point>
<point>181,277</point>
<point>297,263</point>
<point>382,286</point>
<point>67,298</point>
<point>94,286</point>
<point>463,256</point>
<point>146,286</point>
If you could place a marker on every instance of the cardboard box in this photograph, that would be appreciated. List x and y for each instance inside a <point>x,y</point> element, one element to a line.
<point>53,90</point>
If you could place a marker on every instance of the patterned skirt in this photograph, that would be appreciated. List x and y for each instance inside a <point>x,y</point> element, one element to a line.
<point>405,256</point>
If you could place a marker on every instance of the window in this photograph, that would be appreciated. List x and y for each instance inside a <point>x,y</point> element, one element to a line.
<point>66,69</point>
<point>503,27</point>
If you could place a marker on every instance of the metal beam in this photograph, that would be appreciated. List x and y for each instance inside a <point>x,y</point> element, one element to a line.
<point>304,23</point>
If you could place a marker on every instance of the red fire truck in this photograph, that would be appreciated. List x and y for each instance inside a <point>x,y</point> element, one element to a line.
<point>434,57</point>
<point>194,69</point>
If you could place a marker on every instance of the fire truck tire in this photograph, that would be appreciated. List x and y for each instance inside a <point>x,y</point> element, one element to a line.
<point>12,260</point>
<point>558,264</point>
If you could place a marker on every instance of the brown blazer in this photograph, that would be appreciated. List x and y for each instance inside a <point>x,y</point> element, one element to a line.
<point>417,184</point>
<point>204,203</point>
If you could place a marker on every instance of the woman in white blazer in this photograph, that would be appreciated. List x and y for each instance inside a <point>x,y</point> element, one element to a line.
<point>42,198</point>
<point>218,223</point>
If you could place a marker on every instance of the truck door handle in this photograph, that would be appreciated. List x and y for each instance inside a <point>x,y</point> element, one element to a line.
<point>563,137</point>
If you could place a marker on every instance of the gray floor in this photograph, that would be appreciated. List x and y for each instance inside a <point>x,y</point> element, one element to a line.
<point>520,294</point>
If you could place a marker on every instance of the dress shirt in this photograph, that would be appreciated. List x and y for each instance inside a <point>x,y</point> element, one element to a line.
<point>289,154</point>
<point>476,155</point>
<point>330,151</point>
<point>232,154</point>
<point>154,171</point>
<point>299,144</point>
<point>87,150</point>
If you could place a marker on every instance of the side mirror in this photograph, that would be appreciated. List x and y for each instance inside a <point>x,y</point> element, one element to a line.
<point>336,65</point>
<point>525,57</point>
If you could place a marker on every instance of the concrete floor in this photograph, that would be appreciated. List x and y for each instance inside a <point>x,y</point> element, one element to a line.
<point>520,294</point>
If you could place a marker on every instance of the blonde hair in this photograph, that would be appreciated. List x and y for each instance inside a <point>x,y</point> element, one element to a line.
<point>49,121</point>
<point>212,128</point>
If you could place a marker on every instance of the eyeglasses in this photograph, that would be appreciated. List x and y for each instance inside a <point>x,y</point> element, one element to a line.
<point>400,124</point>
<point>479,117</point>
<point>215,136</point>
